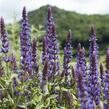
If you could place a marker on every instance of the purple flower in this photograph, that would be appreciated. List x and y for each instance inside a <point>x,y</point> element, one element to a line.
<point>51,43</point>
<point>68,58</point>
<point>94,85</point>
<point>49,25</point>
<point>81,77</point>
<point>25,44</point>
<point>54,52</point>
<point>81,63</point>
<point>34,56</point>
<point>44,51</point>
<point>45,75</point>
<point>93,45</point>
<point>4,37</point>
<point>4,40</point>
<point>45,70</point>
<point>82,92</point>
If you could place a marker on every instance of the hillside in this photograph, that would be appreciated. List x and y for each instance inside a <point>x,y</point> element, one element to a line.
<point>65,20</point>
<point>78,23</point>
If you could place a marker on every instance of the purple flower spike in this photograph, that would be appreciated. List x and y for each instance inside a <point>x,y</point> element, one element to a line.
<point>81,77</point>
<point>44,51</point>
<point>4,37</point>
<point>53,56</point>
<point>46,71</point>
<point>82,63</point>
<point>68,58</point>
<point>49,13</point>
<point>82,92</point>
<point>94,85</point>
<point>25,44</point>
<point>49,25</point>
<point>94,82</point>
<point>52,49</point>
<point>93,44</point>
<point>45,76</point>
<point>34,55</point>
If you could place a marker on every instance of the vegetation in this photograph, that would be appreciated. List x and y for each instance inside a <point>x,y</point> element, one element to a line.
<point>39,77</point>
<point>78,23</point>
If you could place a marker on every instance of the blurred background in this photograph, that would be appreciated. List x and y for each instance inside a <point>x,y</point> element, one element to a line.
<point>77,15</point>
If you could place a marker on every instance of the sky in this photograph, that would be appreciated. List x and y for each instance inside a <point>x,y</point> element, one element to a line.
<point>11,8</point>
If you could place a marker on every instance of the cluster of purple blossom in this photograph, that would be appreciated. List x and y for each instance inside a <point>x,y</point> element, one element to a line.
<point>90,81</point>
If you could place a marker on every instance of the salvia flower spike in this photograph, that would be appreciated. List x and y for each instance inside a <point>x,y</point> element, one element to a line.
<point>52,50</point>
<point>49,29</point>
<point>54,54</point>
<point>68,57</point>
<point>25,44</point>
<point>34,55</point>
<point>5,42</point>
<point>82,92</point>
<point>4,37</point>
<point>49,13</point>
<point>93,74</point>
<point>44,51</point>
<point>45,76</point>
<point>94,82</point>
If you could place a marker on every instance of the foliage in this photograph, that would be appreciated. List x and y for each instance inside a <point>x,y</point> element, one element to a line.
<point>25,83</point>
<point>78,23</point>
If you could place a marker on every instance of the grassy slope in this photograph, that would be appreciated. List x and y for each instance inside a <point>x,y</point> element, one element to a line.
<point>78,23</point>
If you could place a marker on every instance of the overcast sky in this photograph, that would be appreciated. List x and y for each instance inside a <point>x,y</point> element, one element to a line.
<point>9,8</point>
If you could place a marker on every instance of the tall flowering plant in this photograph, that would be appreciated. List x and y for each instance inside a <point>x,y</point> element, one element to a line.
<point>4,39</point>
<point>51,43</point>
<point>85,102</point>
<point>94,84</point>
<point>82,81</point>
<point>34,56</point>
<point>25,43</point>
<point>44,51</point>
<point>68,57</point>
